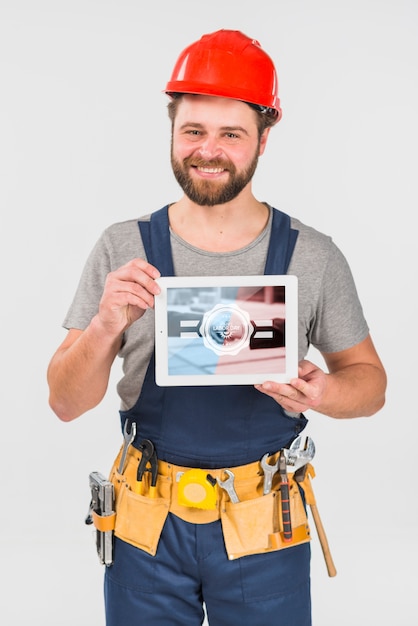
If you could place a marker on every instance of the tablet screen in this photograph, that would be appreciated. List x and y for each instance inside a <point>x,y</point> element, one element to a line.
<point>226,330</point>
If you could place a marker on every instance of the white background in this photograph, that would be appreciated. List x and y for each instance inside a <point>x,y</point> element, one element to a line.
<point>84,142</point>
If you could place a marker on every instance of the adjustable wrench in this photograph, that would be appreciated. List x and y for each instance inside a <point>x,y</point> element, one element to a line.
<point>300,453</point>
<point>228,485</point>
<point>128,437</point>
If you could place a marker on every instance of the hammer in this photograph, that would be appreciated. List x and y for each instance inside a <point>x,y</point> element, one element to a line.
<point>300,477</point>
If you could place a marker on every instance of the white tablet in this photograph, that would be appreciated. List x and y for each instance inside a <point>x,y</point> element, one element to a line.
<point>226,330</point>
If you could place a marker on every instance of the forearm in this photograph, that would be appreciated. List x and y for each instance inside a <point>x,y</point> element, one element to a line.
<point>78,373</point>
<point>354,386</point>
<point>355,391</point>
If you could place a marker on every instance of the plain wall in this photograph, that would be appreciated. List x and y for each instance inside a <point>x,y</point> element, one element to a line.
<point>84,142</point>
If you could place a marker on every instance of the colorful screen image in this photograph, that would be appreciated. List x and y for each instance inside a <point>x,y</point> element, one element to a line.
<point>225,331</point>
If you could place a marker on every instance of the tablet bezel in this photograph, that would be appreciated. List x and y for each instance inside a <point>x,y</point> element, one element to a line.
<point>162,375</point>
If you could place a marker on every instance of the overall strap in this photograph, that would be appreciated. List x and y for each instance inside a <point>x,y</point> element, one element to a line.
<point>282,243</point>
<point>156,239</point>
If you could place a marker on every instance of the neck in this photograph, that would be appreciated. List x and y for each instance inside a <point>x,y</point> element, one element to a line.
<point>220,228</point>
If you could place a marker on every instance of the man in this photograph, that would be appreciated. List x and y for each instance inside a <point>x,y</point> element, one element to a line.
<point>223,102</point>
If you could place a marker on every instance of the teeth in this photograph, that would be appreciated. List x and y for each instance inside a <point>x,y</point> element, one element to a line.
<point>211,170</point>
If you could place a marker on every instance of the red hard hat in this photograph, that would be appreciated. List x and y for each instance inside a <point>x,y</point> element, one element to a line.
<point>228,64</point>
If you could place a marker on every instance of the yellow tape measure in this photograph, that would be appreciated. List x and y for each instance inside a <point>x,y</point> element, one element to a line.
<point>196,488</point>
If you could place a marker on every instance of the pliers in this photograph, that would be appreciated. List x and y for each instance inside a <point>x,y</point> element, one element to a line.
<point>148,463</point>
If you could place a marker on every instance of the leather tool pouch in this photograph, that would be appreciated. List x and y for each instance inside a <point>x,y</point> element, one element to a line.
<point>254,525</point>
<point>251,526</point>
<point>139,518</point>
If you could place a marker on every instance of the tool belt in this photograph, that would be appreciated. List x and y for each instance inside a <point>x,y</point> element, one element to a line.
<point>251,525</point>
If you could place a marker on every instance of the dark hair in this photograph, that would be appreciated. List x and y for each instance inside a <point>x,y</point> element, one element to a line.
<point>265,117</point>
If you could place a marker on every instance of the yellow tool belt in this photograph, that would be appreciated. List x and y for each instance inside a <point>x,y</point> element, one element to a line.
<point>252,525</point>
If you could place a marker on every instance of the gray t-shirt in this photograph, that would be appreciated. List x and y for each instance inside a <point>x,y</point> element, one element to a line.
<point>330,314</point>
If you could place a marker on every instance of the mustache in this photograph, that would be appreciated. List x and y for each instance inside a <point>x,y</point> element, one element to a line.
<point>193,161</point>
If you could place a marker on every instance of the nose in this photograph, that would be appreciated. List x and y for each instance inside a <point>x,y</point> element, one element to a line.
<point>209,148</point>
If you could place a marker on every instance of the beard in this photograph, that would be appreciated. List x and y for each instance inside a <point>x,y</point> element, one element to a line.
<point>211,192</point>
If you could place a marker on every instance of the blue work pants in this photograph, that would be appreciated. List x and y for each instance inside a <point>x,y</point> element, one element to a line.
<point>191,568</point>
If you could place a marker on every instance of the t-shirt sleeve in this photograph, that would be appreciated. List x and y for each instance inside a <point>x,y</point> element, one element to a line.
<point>339,322</point>
<point>87,297</point>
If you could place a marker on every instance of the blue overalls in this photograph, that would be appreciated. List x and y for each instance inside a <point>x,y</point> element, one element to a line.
<point>208,427</point>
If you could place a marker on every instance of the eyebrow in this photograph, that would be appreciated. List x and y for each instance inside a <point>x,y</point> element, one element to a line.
<point>229,129</point>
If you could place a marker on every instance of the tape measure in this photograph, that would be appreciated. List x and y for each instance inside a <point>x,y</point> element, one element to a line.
<point>196,488</point>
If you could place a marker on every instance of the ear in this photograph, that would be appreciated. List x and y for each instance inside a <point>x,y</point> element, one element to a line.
<point>263,140</point>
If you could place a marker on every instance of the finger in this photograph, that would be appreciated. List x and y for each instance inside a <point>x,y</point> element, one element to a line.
<point>132,279</point>
<point>300,386</point>
<point>145,267</point>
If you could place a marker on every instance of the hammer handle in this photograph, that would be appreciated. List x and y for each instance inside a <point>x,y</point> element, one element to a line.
<point>323,541</point>
<point>286,520</point>
<point>284,492</point>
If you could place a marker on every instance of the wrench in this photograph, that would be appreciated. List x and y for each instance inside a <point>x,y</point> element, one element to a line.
<point>269,471</point>
<point>228,485</point>
<point>128,439</point>
<point>300,453</point>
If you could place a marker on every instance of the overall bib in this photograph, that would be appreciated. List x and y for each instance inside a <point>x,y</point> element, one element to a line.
<point>208,427</point>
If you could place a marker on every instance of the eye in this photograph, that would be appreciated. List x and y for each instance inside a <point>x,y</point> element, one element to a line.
<point>232,137</point>
<point>193,134</point>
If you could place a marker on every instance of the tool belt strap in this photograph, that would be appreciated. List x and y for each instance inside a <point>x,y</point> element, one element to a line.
<point>104,523</point>
<point>241,472</point>
<point>248,483</point>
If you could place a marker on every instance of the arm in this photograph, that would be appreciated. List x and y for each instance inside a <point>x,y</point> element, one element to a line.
<point>354,386</point>
<point>79,371</point>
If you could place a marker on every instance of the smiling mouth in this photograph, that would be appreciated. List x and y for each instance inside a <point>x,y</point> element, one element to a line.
<point>210,170</point>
